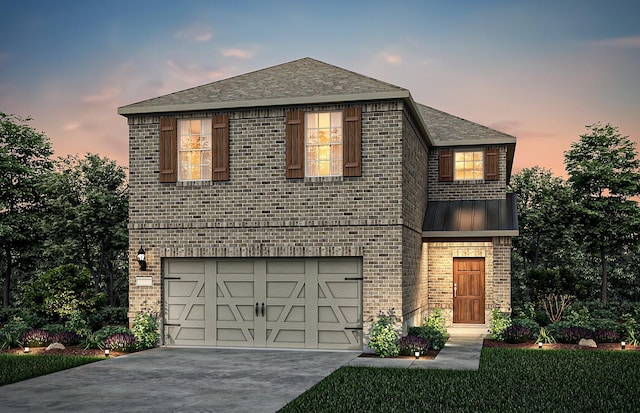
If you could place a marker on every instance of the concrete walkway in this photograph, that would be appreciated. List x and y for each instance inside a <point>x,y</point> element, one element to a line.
<point>461,352</point>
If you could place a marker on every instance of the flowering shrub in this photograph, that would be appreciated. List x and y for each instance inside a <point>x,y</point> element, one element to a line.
<point>573,334</point>
<point>36,338</point>
<point>408,345</point>
<point>383,337</point>
<point>516,334</point>
<point>68,338</point>
<point>604,335</point>
<point>145,329</point>
<point>125,342</point>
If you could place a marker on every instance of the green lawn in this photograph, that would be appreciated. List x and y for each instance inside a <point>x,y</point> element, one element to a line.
<point>14,368</point>
<point>508,381</point>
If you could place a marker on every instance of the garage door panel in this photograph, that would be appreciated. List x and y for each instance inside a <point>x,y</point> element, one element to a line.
<point>234,267</point>
<point>329,266</point>
<point>275,267</point>
<point>186,267</point>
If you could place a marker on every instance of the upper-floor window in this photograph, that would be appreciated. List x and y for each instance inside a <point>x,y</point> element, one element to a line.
<point>194,149</point>
<point>323,144</point>
<point>469,165</point>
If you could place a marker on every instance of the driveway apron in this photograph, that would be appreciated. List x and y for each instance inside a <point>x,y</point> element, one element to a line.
<point>177,380</point>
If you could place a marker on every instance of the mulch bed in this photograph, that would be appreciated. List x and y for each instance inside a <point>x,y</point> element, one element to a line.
<point>558,346</point>
<point>68,351</point>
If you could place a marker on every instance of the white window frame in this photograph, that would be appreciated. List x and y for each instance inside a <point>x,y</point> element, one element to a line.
<point>312,143</point>
<point>474,151</point>
<point>204,164</point>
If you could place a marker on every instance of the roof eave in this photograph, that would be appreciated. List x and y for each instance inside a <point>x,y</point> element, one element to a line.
<point>503,140</point>
<point>239,104</point>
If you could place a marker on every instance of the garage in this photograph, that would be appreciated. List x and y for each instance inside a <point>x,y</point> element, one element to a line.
<point>313,303</point>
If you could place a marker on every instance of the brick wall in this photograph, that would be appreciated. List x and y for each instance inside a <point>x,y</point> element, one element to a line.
<point>259,213</point>
<point>463,190</point>
<point>414,203</point>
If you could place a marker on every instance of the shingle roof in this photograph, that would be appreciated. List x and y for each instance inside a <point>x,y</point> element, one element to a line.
<point>446,129</point>
<point>473,218</point>
<point>298,82</point>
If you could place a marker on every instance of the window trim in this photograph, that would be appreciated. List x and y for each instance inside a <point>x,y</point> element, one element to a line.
<point>210,149</point>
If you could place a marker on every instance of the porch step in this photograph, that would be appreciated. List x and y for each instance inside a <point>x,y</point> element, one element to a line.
<point>468,330</point>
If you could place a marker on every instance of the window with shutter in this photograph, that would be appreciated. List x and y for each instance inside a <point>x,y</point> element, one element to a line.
<point>492,162</point>
<point>168,150</point>
<point>220,138</point>
<point>295,144</point>
<point>445,165</point>
<point>468,165</point>
<point>352,141</point>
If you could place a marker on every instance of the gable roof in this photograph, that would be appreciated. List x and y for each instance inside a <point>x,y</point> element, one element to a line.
<point>303,81</point>
<point>450,130</point>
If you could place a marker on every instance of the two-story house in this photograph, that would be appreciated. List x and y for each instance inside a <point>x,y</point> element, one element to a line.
<point>289,206</point>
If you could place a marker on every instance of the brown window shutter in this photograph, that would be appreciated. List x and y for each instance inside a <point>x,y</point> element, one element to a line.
<point>352,141</point>
<point>491,163</point>
<point>446,165</point>
<point>220,146</point>
<point>295,144</point>
<point>168,150</point>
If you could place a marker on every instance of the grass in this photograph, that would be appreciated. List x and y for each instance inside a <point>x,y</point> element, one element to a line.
<point>14,368</point>
<point>508,381</point>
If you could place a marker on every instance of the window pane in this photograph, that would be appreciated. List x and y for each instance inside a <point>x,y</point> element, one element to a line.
<point>311,120</point>
<point>195,127</point>
<point>324,168</point>
<point>336,152</point>
<point>336,135</point>
<point>324,153</point>
<point>312,168</point>
<point>336,119</point>
<point>323,135</point>
<point>336,167</point>
<point>312,137</point>
<point>324,120</point>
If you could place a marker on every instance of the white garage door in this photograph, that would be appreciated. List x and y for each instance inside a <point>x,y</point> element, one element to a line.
<point>289,303</point>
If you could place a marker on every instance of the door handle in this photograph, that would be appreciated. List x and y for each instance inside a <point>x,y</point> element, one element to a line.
<point>262,309</point>
<point>256,309</point>
<point>455,290</point>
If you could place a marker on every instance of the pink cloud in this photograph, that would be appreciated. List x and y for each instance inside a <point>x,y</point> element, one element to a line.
<point>107,93</point>
<point>630,41</point>
<point>196,32</point>
<point>243,54</point>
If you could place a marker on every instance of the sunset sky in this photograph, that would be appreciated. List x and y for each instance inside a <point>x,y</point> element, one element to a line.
<point>540,70</point>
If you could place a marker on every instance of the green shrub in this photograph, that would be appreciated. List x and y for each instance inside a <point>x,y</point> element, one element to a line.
<point>107,331</point>
<point>544,336</point>
<point>54,328</point>
<point>11,333</point>
<point>145,329</point>
<point>606,324</point>
<point>554,328</point>
<point>533,327</point>
<point>62,292</point>
<point>78,324</point>
<point>383,337</point>
<point>499,322</point>
<point>433,330</point>
<point>108,316</point>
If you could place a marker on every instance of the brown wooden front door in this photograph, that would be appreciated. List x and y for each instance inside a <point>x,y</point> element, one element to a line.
<point>468,290</point>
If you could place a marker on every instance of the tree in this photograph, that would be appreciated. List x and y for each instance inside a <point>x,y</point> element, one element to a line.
<point>545,216</point>
<point>88,207</point>
<point>24,162</point>
<point>604,173</point>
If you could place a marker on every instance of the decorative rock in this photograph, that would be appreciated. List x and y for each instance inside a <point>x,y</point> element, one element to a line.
<point>55,346</point>
<point>587,343</point>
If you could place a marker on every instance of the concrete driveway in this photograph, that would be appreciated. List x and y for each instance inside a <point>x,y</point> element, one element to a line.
<point>177,380</point>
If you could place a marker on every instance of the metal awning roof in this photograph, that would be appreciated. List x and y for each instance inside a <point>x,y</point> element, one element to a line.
<point>472,218</point>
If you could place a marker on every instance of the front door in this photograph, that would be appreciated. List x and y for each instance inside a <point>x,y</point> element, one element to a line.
<point>468,290</point>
